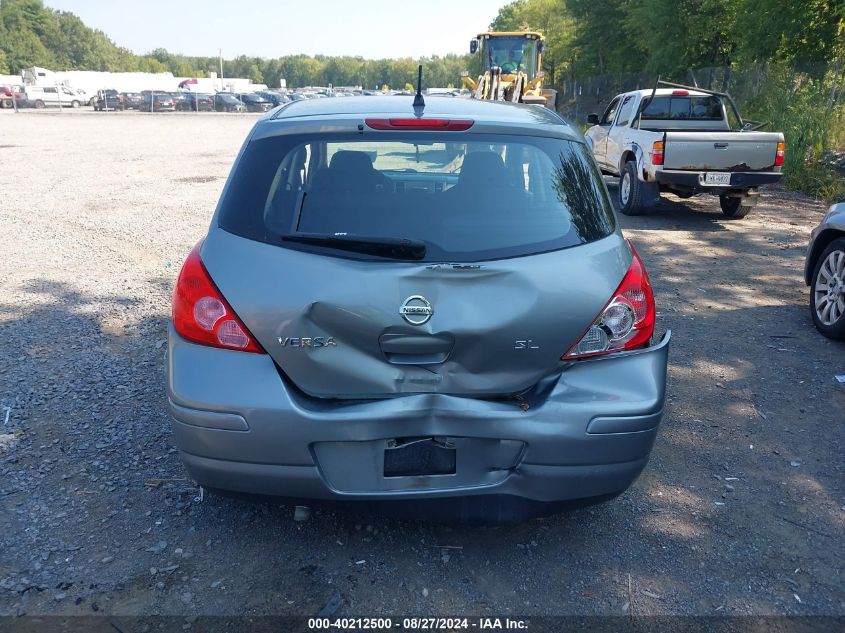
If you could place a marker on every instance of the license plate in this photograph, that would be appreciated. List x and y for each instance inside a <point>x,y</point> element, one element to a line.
<point>717,178</point>
<point>420,457</point>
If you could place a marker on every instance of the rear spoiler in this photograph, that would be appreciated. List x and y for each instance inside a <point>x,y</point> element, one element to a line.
<point>745,126</point>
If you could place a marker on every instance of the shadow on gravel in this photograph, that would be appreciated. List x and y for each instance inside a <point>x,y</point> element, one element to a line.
<point>740,475</point>
<point>674,214</point>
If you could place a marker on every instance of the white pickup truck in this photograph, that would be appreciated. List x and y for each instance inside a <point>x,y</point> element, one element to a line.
<point>685,141</point>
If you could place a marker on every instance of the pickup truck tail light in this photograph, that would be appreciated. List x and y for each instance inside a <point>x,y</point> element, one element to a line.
<point>779,154</point>
<point>201,314</point>
<point>626,322</point>
<point>657,153</point>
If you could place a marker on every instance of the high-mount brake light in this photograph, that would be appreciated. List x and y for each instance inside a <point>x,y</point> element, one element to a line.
<point>202,315</point>
<point>681,93</point>
<point>780,154</point>
<point>626,322</point>
<point>447,125</point>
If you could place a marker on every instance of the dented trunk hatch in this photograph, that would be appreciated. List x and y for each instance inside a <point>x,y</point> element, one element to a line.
<point>342,328</point>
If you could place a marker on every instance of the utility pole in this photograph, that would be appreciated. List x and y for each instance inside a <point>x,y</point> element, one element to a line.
<point>220,51</point>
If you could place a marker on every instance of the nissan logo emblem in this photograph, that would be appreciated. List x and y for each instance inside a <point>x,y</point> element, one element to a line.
<point>416,310</point>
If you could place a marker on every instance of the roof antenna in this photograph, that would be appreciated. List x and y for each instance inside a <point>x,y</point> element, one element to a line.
<point>419,102</point>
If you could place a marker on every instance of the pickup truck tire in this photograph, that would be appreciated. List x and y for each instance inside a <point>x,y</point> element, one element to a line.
<point>734,207</point>
<point>827,292</point>
<point>630,191</point>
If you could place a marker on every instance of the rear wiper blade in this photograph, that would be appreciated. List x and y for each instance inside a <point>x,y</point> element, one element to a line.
<point>393,247</point>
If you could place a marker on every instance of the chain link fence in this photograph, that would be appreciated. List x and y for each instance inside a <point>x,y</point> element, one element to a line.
<point>747,85</point>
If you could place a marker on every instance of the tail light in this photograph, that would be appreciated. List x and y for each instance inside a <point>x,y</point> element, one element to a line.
<point>448,125</point>
<point>202,315</point>
<point>627,321</point>
<point>657,153</point>
<point>780,153</point>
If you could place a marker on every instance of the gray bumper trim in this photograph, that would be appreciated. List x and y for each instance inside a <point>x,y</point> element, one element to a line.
<point>601,426</point>
<point>208,419</point>
<point>531,481</point>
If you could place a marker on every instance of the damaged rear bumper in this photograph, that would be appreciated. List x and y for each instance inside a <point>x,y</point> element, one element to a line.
<point>584,432</point>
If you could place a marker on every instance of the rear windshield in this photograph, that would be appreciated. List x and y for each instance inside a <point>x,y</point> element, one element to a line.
<point>466,197</point>
<point>684,107</point>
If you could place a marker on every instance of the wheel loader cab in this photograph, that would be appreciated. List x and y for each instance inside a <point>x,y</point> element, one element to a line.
<point>511,71</point>
<point>510,53</point>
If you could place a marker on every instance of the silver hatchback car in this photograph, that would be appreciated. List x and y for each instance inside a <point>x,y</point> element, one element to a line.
<point>429,307</point>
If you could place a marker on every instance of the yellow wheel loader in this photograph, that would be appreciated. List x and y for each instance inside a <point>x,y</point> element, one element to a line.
<point>510,62</point>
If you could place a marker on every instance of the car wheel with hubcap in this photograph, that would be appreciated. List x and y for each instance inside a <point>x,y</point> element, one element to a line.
<point>827,294</point>
<point>40,104</point>
<point>75,104</point>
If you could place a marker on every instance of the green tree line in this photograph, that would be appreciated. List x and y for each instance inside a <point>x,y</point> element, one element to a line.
<point>34,35</point>
<point>593,37</point>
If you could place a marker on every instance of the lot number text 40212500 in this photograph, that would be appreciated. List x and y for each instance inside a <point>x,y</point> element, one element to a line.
<point>418,624</point>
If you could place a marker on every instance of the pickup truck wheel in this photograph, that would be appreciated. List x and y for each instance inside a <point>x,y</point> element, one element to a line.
<point>734,207</point>
<point>827,294</point>
<point>630,191</point>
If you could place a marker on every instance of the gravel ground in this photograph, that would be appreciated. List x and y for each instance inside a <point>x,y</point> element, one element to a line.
<point>741,510</point>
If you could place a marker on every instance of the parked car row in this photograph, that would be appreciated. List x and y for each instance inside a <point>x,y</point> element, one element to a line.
<point>111,99</point>
<point>114,100</point>
<point>10,94</point>
<point>152,101</point>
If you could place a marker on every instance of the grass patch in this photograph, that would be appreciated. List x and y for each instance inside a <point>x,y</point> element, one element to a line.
<point>816,179</point>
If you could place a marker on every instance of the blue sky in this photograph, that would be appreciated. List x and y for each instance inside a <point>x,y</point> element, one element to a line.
<point>266,28</point>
